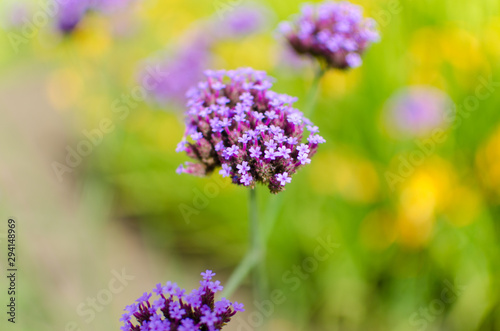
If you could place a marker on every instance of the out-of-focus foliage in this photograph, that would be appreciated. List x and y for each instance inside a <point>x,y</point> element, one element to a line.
<point>415,216</point>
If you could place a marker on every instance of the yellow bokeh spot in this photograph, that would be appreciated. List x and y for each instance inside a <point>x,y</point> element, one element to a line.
<point>255,51</point>
<point>432,48</point>
<point>352,177</point>
<point>434,179</point>
<point>169,132</point>
<point>93,39</point>
<point>64,88</point>
<point>427,76</point>
<point>418,200</point>
<point>337,83</point>
<point>168,19</point>
<point>491,37</point>
<point>414,233</point>
<point>461,49</point>
<point>423,48</point>
<point>427,191</point>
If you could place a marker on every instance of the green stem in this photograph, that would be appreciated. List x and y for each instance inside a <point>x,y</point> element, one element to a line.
<point>240,273</point>
<point>313,91</point>
<point>258,246</point>
<point>271,216</point>
<point>253,258</point>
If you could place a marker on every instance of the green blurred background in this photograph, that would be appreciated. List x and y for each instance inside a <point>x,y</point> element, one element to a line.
<point>422,254</point>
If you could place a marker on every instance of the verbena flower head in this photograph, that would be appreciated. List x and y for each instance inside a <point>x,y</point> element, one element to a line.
<point>173,309</point>
<point>236,122</point>
<point>334,32</point>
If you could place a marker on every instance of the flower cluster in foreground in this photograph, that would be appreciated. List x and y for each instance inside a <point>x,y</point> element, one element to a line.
<point>236,122</point>
<point>335,32</point>
<point>176,310</point>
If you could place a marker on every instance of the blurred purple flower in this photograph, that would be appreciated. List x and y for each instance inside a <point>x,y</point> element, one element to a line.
<point>243,20</point>
<point>184,68</point>
<point>416,110</point>
<point>336,33</point>
<point>71,12</point>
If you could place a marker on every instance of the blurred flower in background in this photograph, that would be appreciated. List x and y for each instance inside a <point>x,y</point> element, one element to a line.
<point>333,32</point>
<point>179,71</point>
<point>415,111</point>
<point>243,20</point>
<point>188,59</point>
<point>71,12</point>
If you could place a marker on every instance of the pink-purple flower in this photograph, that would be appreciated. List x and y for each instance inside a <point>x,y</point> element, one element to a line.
<point>336,33</point>
<point>253,136</point>
<point>416,111</point>
<point>174,310</point>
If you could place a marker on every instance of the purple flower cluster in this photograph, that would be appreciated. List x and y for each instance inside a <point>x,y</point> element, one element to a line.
<point>334,32</point>
<point>174,310</point>
<point>236,122</point>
